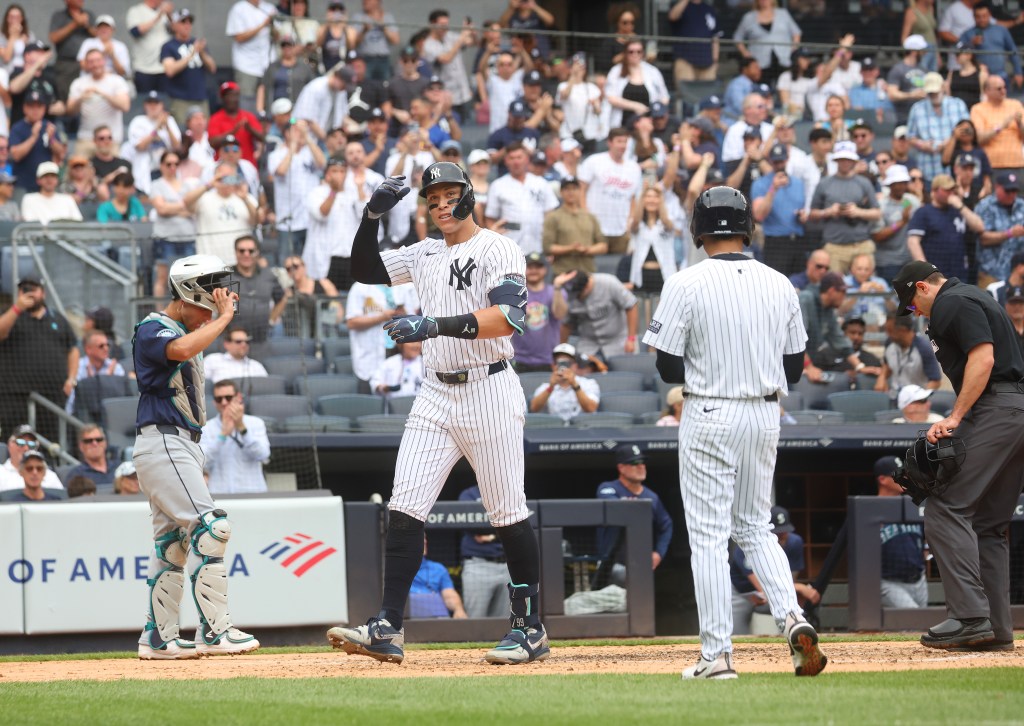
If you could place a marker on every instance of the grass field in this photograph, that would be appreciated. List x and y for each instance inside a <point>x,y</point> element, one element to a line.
<point>974,696</point>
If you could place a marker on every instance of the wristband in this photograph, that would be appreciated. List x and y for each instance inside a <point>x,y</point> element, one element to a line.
<point>551,389</point>
<point>895,227</point>
<point>576,387</point>
<point>458,326</point>
<point>631,338</point>
<point>16,309</point>
<point>859,367</point>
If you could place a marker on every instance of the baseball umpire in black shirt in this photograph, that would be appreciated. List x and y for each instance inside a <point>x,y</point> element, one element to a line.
<point>966,524</point>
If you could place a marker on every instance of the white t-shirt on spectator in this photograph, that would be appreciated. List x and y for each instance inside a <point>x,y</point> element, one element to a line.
<point>148,160</point>
<point>120,50</point>
<point>501,93</point>
<point>247,169</point>
<point>10,478</point>
<point>612,188</point>
<point>579,109</point>
<point>145,50</point>
<point>563,401</point>
<point>96,110</point>
<point>254,55</point>
<point>221,366</point>
<point>316,102</point>
<point>453,73</point>
<point>332,235</point>
<point>849,78</point>
<point>732,145</point>
<point>5,121</point>
<point>524,203</point>
<point>368,346</point>
<point>219,222</point>
<point>292,189</point>
<point>37,208</point>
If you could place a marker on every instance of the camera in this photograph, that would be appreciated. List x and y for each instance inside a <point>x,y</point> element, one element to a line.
<point>563,364</point>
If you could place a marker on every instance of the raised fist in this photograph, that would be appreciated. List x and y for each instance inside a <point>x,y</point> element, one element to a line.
<point>391,191</point>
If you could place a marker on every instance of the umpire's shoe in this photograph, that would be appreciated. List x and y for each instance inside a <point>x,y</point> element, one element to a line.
<point>176,649</point>
<point>719,669</point>
<point>953,633</point>
<point>377,639</point>
<point>231,642</point>
<point>808,660</point>
<point>520,646</point>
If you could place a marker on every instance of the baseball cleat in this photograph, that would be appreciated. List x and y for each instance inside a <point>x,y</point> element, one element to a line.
<point>520,646</point>
<point>377,639</point>
<point>231,642</point>
<point>808,660</point>
<point>177,649</point>
<point>718,669</point>
<point>992,646</point>
<point>954,633</point>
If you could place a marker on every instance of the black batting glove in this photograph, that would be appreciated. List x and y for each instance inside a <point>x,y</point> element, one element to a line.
<point>391,191</point>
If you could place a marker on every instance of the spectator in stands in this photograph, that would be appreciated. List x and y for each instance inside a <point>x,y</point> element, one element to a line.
<point>602,312</point>
<point>235,444</point>
<point>224,209</point>
<point>545,310</point>
<point>366,93</point>
<point>33,471</point>
<point>546,116</point>
<point>323,102</point>
<point>69,28</point>
<point>673,412</point>
<point>903,577</point>
<point>905,82</point>
<point>847,203</point>
<point>653,236</point>
<point>913,402</point>
<point>572,235</point>
<point>569,163</point>
<point>968,81</point>
<point>97,361</point>
<point>199,155</point>
<point>1000,126</point>
<point>80,486</point>
<point>249,25</point>
<point>644,81</point>
<point>47,204</point>
<point>21,441</point>
<point>14,36</point>
<point>622,17</point>
<point>956,18</point>
<point>962,150</point>
<point>432,594</point>
<point>907,359</point>
<point>297,166</point>
<point>105,160</point>
<point>870,94</point>
<point>92,447</point>
<point>695,22</point>
<point>174,227</point>
<point>755,111</point>
<point>525,16</point>
<point>260,297</point>
<point>334,212</point>
<point>1015,309</point>
<point>611,182</point>
<point>1003,216</point>
<point>484,568</point>
<point>377,32</point>
<point>897,207</point>
<point>747,593</point>
<point>100,318</point>
<point>406,85</point>
<point>336,36</point>
<point>285,77</point>
<point>34,141</point>
<point>862,279</point>
<point>580,101</point>
<point>772,34</point>
<point>186,64</point>
<point>900,150</point>
<point>368,308</point>
<point>443,48</point>
<point>9,209</point>
<point>150,134</point>
<point>931,124</point>
<point>147,28</point>
<point>518,201</point>
<point>99,98</point>
<point>115,53</point>
<point>515,131</point>
<point>232,120</point>
<point>35,76</point>
<point>301,313</point>
<point>854,329</point>
<point>818,263</point>
<point>993,46</point>
<point>126,479</point>
<point>1015,279</point>
<point>231,153</point>
<point>567,394</point>
<point>937,231</point>
<point>402,374</point>
<point>422,117</point>
<point>123,205</point>
<point>777,202</point>
<point>632,468</point>
<point>5,155</point>
<point>835,119</point>
<point>235,362</point>
<point>827,348</point>
<point>81,183</point>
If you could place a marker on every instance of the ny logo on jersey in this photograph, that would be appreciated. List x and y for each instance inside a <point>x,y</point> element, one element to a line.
<point>460,274</point>
<point>960,225</point>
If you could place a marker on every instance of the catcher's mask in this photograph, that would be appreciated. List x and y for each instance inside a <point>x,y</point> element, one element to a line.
<point>928,468</point>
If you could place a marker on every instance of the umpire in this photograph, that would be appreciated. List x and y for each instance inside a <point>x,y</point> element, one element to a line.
<point>966,525</point>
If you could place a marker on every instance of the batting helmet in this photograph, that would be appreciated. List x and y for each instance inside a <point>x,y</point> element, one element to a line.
<point>721,212</point>
<point>929,468</point>
<point>447,172</point>
<point>193,279</point>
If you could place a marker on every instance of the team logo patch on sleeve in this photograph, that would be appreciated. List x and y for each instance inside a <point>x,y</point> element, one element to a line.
<point>654,327</point>
<point>167,333</point>
<point>516,278</point>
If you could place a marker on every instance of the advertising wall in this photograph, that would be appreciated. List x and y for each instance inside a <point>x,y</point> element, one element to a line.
<point>71,567</point>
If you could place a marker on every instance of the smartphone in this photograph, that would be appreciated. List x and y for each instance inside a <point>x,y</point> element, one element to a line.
<point>563,364</point>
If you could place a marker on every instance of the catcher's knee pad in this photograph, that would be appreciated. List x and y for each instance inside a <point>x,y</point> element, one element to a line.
<point>165,589</point>
<point>524,601</point>
<point>210,577</point>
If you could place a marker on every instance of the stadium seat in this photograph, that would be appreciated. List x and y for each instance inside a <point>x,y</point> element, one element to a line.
<point>859,406</point>
<point>603,419</point>
<point>618,381</point>
<point>942,401</point>
<point>816,394</point>
<point>650,418</point>
<point>294,366</point>
<point>278,406</point>
<point>281,481</point>
<point>531,381</point>
<point>90,393</point>
<point>795,401</point>
<point>343,365</point>
<point>276,347</point>
<point>333,348</point>
<point>325,384</point>
<point>261,386</point>
<point>634,403</point>
<point>119,420</point>
<point>352,405</point>
<point>379,423</point>
<point>886,416</point>
<point>316,422</point>
<point>400,405</point>
<point>640,363</point>
<point>544,421</point>
<point>819,418</point>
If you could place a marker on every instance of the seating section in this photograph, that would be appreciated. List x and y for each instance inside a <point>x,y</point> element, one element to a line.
<point>859,406</point>
<point>258,386</point>
<point>293,366</point>
<point>119,420</point>
<point>279,407</point>
<point>352,405</point>
<point>381,424</point>
<point>324,384</point>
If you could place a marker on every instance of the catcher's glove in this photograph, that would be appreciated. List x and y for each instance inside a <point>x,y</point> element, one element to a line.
<point>929,468</point>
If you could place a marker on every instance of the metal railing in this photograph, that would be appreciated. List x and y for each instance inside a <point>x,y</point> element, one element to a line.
<point>57,449</point>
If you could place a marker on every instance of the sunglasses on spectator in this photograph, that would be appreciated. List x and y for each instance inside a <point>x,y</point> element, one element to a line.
<point>232,147</point>
<point>30,443</point>
<point>224,399</point>
<point>820,267</point>
<point>241,341</point>
<point>94,440</point>
<point>246,251</point>
<point>35,467</point>
<point>916,178</point>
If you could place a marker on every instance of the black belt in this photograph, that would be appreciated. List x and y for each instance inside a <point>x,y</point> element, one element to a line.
<point>174,431</point>
<point>771,397</point>
<point>1005,387</point>
<point>458,377</point>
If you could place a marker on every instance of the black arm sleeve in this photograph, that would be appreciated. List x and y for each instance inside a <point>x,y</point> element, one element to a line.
<point>670,367</point>
<point>367,266</point>
<point>793,364</point>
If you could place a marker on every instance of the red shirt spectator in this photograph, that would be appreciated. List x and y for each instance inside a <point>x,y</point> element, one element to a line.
<point>232,120</point>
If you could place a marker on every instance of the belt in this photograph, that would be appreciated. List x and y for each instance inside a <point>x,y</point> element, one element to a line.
<point>472,374</point>
<point>771,397</point>
<point>489,559</point>
<point>173,431</point>
<point>1005,387</point>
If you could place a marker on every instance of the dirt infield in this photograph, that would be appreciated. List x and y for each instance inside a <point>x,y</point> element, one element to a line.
<point>668,659</point>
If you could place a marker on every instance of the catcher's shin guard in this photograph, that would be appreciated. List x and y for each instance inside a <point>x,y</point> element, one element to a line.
<point>209,576</point>
<point>165,590</point>
<point>525,604</point>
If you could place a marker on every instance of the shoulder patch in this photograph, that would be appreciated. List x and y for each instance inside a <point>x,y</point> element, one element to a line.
<point>516,278</point>
<point>654,327</point>
<point>167,333</point>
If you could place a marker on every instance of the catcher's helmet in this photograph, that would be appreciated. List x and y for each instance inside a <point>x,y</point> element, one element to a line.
<point>193,279</point>
<point>447,172</point>
<point>930,467</point>
<point>721,212</point>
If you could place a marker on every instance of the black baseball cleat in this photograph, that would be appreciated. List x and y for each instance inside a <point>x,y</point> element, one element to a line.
<point>992,646</point>
<point>954,633</point>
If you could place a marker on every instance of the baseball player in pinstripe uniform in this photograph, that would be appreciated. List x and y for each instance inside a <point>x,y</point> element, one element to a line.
<point>472,291</point>
<point>188,528</point>
<point>730,329</point>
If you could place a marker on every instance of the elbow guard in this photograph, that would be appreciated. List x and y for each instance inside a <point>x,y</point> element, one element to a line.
<point>793,365</point>
<point>510,297</point>
<point>671,367</point>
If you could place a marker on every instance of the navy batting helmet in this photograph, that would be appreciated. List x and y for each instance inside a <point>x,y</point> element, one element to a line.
<point>447,172</point>
<point>721,212</point>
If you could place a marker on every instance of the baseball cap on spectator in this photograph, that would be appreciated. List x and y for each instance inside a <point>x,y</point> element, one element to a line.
<point>125,468</point>
<point>352,55</point>
<point>36,45</point>
<point>861,124</point>
<point>30,455</point>
<point>1007,180</point>
<point>29,282</point>
<point>536,258</point>
<point>47,167</point>
<point>281,106</point>
<point>943,181</point>
<point>932,82</point>
<point>153,97</point>
<point>519,109</point>
<point>853,321</point>
<point>906,279</point>
<point>230,140</point>
<point>831,281</point>
<point>658,110</point>
<point>6,178</point>
<point>37,96</point>
<point>564,349</point>
<point>900,132</point>
<point>895,174</point>
<point>539,157</point>
<point>915,42</point>
<point>867,64</point>
<point>629,454</point>
<point>764,89</point>
<point>477,156</point>
<point>710,103</point>
<point>845,150</point>
<point>800,52</point>
<point>569,144</point>
<point>335,161</point>
<point>704,124</point>
<point>178,15</point>
<point>1014,292</point>
<point>286,39</point>
<point>744,62</point>
<point>781,523</point>
<point>376,113</point>
<point>450,145</point>
<point>887,465</point>
<point>435,81</point>
<point>408,52</point>
<point>24,429</point>
<point>106,20</point>
<point>715,176</point>
<point>227,86</point>
<point>335,5</point>
<point>778,153</point>
<point>1017,260</point>
<point>963,47</point>
<point>966,159</point>
<point>912,393</point>
<point>533,78</point>
<point>570,181</point>
<point>101,317</point>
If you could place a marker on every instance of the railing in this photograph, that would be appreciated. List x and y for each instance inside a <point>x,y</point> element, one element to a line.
<point>60,448</point>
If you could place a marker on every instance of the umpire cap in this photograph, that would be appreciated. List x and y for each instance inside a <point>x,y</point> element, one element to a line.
<point>721,212</point>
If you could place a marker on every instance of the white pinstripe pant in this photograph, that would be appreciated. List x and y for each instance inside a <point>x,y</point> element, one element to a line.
<point>481,420</point>
<point>727,451</point>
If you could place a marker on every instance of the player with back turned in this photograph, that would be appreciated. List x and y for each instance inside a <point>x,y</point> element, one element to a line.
<point>730,329</point>
<point>472,291</point>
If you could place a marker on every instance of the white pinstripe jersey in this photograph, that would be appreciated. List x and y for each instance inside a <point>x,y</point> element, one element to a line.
<point>455,280</point>
<point>731,320</point>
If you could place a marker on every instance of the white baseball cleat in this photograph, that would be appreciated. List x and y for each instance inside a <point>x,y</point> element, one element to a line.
<point>719,669</point>
<point>177,649</point>
<point>231,642</point>
<point>808,660</point>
